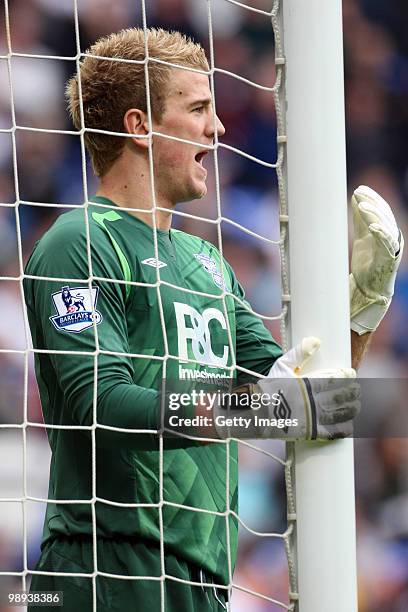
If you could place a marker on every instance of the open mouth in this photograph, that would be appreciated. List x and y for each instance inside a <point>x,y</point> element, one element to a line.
<point>200,156</point>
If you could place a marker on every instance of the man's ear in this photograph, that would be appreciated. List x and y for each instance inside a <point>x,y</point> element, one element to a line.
<point>136,122</point>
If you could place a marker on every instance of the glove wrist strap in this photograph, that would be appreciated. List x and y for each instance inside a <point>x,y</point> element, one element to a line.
<point>366,313</point>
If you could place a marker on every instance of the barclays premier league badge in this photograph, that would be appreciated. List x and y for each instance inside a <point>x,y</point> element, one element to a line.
<point>76,309</point>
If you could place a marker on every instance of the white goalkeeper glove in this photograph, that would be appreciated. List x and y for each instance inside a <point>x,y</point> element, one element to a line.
<point>321,405</point>
<point>377,252</point>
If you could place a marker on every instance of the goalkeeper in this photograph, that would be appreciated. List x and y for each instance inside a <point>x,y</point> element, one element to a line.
<point>136,527</point>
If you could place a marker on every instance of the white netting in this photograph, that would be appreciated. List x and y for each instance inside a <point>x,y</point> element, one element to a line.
<point>265,451</point>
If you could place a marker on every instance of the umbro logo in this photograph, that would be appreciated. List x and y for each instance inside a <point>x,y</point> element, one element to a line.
<point>155,263</point>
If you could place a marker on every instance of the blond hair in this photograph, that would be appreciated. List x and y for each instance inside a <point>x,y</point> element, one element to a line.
<point>110,88</point>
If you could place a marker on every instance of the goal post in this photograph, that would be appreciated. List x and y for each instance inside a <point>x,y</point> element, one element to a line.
<point>318,267</point>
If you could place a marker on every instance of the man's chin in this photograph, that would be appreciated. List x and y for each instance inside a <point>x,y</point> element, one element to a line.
<point>194,194</point>
<point>201,192</point>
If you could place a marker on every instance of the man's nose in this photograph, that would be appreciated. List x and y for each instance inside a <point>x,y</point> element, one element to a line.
<point>218,126</point>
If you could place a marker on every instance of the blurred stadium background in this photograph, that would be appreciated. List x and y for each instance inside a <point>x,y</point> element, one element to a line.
<point>48,170</point>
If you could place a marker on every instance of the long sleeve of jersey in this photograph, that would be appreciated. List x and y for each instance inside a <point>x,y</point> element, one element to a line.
<point>76,369</point>
<point>256,349</point>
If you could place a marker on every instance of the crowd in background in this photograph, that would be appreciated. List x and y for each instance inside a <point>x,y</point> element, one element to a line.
<point>47,168</point>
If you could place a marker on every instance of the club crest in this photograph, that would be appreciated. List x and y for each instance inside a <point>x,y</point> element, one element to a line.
<point>210,265</point>
<point>76,309</point>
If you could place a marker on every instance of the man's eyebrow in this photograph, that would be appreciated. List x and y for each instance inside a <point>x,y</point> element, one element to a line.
<point>201,102</point>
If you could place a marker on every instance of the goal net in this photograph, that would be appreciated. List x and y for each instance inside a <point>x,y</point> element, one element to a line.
<point>254,198</point>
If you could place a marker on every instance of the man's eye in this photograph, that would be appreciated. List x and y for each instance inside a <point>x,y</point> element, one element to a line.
<point>198,109</point>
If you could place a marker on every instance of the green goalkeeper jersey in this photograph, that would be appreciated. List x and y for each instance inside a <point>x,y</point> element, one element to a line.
<point>107,334</point>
